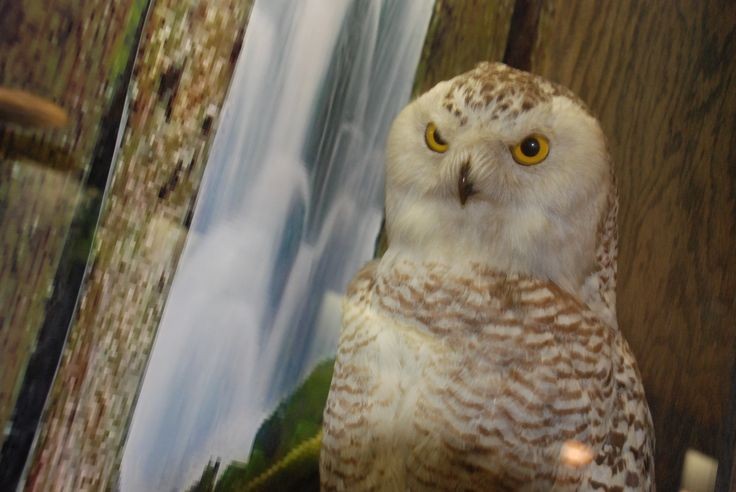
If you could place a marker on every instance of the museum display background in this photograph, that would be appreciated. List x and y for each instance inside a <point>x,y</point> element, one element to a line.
<point>94,216</point>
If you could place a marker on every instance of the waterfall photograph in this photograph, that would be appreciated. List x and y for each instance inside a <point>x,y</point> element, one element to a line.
<point>290,207</point>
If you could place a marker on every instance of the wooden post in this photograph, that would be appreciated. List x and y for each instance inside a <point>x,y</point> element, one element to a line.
<point>183,70</point>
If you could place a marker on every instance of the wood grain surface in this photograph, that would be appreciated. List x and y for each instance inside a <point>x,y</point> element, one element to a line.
<point>461,34</point>
<point>660,75</point>
<point>726,478</point>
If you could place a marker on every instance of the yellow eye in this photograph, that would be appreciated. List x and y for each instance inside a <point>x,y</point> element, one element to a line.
<point>530,151</point>
<point>434,140</point>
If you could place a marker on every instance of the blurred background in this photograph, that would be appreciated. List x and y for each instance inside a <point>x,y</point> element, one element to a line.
<point>187,187</point>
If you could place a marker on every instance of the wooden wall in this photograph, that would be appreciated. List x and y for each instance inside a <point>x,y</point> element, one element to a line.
<point>461,33</point>
<point>661,76</point>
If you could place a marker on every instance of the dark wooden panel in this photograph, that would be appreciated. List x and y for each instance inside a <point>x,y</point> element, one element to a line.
<point>661,77</point>
<point>461,34</point>
<point>522,36</point>
<point>727,458</point>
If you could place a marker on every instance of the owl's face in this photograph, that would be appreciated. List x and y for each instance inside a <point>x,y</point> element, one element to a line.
<point>501,167</point>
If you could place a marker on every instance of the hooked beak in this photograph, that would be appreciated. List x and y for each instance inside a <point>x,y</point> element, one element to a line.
<point>464,185</point>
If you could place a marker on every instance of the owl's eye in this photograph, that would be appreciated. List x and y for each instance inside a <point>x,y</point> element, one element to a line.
<point>434,140</point>
<point>530,151</point>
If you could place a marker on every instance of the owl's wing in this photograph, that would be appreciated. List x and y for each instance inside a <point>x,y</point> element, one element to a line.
<point>630,450</point>
<point>599,372</point>
<point>626,457</point>
<point>345,462</point>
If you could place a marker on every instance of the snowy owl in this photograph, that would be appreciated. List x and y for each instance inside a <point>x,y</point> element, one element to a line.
<point>482,351</point>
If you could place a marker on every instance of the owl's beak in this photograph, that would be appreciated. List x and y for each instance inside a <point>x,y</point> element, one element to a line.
<point>464,184</point>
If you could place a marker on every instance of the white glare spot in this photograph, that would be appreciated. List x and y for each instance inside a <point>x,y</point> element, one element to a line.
<point>698,472</point>
<point>575,454</point>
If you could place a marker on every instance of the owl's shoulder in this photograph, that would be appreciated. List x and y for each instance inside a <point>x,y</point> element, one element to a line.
<point>363,281</point>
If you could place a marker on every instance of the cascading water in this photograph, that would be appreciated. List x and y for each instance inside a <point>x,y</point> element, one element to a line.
<point>289,209</point>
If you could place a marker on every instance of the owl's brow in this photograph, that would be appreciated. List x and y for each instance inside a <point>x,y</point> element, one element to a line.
<point>506,91</point>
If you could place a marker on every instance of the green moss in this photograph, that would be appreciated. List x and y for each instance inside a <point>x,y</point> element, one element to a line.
<point>126,43</point>
<point>285,453</point>
<point>297,471</point>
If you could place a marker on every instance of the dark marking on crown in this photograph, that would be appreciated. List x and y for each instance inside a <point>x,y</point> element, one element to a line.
<point>505,91</point>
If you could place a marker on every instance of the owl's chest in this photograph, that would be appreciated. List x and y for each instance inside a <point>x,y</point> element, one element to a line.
<point>451,384</point>
<point>408,367</point>
<point>482,377</point>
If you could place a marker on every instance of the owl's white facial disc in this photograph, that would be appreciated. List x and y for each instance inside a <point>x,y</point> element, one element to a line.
<point>540,219</point>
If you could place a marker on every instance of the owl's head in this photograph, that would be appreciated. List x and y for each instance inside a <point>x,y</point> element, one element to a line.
<point>501,167</point>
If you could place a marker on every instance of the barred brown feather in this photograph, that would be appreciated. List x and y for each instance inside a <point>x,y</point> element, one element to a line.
<point>409,409</point>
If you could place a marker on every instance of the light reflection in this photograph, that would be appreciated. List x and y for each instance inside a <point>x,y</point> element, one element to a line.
<point>698,472</point>
<point>575,454</point>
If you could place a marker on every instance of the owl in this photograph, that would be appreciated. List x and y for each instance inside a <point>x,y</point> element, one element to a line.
<point>482,351</point>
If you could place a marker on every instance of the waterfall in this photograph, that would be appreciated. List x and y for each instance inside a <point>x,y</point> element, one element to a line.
<point>288,211</point>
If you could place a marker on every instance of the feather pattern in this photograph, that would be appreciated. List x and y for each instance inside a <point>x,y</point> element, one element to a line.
<point>408,411</point>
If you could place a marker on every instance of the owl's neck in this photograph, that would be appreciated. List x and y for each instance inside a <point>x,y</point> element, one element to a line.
<point>517,241</point>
